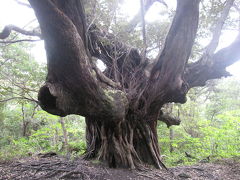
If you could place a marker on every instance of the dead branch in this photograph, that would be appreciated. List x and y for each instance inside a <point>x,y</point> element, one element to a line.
<point>20,40</point>
<point>23,4</point>
<point>9,28</point>
<point>14,98</point>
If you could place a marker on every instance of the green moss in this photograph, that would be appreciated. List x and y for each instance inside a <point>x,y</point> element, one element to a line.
<point>109,94</point>
<point>116,101</point>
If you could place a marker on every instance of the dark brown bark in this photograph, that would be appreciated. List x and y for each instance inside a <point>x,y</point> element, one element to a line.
<point>198,73</point>
<point>127,143</point>
<point>166,83</point>
<point>71,84</point>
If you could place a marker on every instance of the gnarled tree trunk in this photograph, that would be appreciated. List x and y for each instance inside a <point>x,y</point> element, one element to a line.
<point>128,142</point>
<point>121,104</point>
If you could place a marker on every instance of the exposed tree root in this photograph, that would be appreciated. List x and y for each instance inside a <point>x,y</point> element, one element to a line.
<point>59,168</point>
<point>48,168</point>
<point>129,143</point>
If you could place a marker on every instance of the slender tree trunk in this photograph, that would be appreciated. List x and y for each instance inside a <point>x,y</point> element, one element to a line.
<point>25,123</point>
<point>171,149</point>
<point>56,138</point>
<point>65,134</point>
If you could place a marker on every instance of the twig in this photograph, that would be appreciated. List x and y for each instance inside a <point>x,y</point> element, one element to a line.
<point>69,174</point>
<point>21,40</point>
<point>23,4</point>
<point>9,99</point>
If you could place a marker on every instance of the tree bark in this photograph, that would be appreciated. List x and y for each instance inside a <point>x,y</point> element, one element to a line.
<point>127,143</point>
<point>121,120</point>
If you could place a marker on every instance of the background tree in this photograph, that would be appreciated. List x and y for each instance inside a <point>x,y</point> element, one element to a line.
<point>123,103</point>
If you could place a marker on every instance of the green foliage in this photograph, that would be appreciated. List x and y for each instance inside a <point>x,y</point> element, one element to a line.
<point>210,125</point>
<point>25,128</point>
<point>77,147</point>
<point>47,137</point>
<point>17,148</point>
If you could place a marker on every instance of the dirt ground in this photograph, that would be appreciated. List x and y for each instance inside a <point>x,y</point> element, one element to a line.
<point>59,168</point>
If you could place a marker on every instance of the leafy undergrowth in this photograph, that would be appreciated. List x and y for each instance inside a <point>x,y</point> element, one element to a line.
<point>50,166</point>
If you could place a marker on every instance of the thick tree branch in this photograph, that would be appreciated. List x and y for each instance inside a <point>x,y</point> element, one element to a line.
<point>166,83</point>
<point>101,45</point>
<point>8,29</point>
<point>71,78</point>
<point>211,65</point>
<point>197,73</point>
<point>178,45</point>
<point>74,10</point>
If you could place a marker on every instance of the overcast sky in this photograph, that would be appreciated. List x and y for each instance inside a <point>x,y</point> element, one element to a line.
<point>12,13</point>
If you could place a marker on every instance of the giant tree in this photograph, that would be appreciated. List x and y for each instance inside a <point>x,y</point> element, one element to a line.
<point>122,104</point>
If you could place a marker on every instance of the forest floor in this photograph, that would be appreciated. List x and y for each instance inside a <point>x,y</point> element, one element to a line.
<point>43,168</point>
